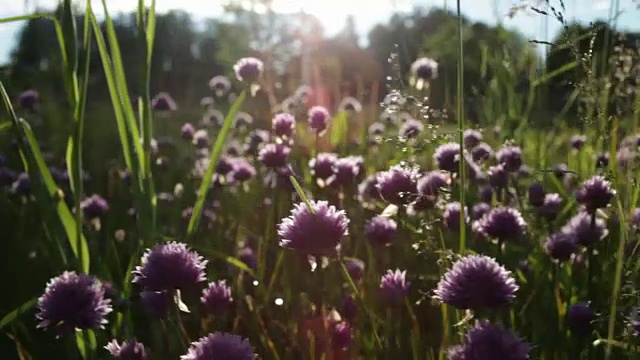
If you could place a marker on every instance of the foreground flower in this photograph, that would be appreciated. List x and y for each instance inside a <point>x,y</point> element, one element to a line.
<point>488,341</point>
<point>596,193</point>
<point>424,69</point>
<point>94,206</point>
<point>394,287</point>
<point>216,298</point>
<point>274,155</point>
<point>316,232</point>
<point>476,282</point>
<point>398,186</point>
<point>283,125</point>
<point>381,230</point>
<point>248,69</point>
<point>561,245</point>
<point>128,350</point>
<point>510,157</point>
<point>220,346</point>
<point>322,165</point>
<point>163,102</point>
<point>170,266</point>
<point>319,119</point>
<point>587,229</point>
<point>73,301</point>
<point>503,224</point>
<point>580,317</point>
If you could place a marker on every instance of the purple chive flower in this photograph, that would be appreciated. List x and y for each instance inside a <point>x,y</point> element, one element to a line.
<point>510,157</point>
<point>322,165</point>
<point>586,232</point>
<point>350,104</point>
<point>342,336</point>
<point>216,298</point>
<point>201,139</point>
<point>368,189</point>
<point>349,308</point>
<point>451,216</point>
<point>560,170</point>
<point>316,232</point>
<point>212,117</point>
<point>156,303</point>
<point>411,129</point>
<point>220,85</point>
<point>602,159</point>
<point>255,139</point>
<point>73,301</point>
<point>346,171</point>
<point>280,178</point>
<point>319,119</point>
<point>242,170</point>
<point>481,152</point>
<point>394,287</point>
<point>486,194</point>
<point>128,350</point>
<point>248,257</point>
<point>22,185</point>
<point>243,119</point>
<point>561,245</point>
<point>578,141</point>
<point>580,317</point>
<point>596,193</point>
<point>635,218</point>
<point>479,210</point>
<point>7,176</point>
<point>29,100</point>
<point>486,341</point>
<point>398,185</point>
<point>424,69</point>
<point>625,156</point>
<point>536,194</point>
<point>432,183</point>
<point>381,231</point>
<point>220,346</point>
<point>355,268</point>
<point>283,125</point>
<point>377,129</point>
<point>274,155</point>
<point>476,282</point>
<point>551,206</point>
<point>248,69</point>
<point>224,165</point>
<point>207,102</point>
<point>447,157</point>
<point>471,138</point>
<point>498,176</point>
<point>503,224</point>
<point>94,206</point>
<point>187,130</point>
<point>163,102</point>
<point>170,266</point>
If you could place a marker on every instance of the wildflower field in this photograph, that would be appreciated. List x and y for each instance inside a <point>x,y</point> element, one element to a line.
<point>295,222</point>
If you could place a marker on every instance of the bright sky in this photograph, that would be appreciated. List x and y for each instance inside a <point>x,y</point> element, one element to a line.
<point>332,13</point>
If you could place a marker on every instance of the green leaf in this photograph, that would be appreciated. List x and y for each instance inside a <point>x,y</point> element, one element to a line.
<point>339,129</point>
<point>86,343</point>
<point>10,317</point>
<point>301,193</point>
<point>550,75</point>
<point>216,151</point>
<point>239,264</point>
<point>5,126</point>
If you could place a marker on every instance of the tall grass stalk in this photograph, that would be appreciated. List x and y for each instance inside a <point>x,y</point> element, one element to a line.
<point>460,113</point>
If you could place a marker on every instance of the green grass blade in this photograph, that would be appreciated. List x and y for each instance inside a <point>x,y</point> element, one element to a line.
<point>216,151</point>
<point>557,72</point>
<point>5,126</point>
<point>339,129</point>
<point>13,315</point>
<point>301,193</point>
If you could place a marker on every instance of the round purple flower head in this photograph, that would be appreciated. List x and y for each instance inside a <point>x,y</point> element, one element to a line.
<point>22,185</point>
<point>170,266</point>
<point>224,165</point>
<point>216,298</point>
<point>580,318</point>
<point>342,336</point>
<point>187,130</point>
<point>255,139</point>
<point>479,210</point>
<point>346,171</point>
<point>381,230</point>
<point>283,125</point>
<point>248,69</point>
<point>486,194</point>
<point>476,282</point>
<point>242,170</point>
<point>503,224</point>
<point>322,165</point>
<point>596,193</point>
<point>316,232</point>
<point>551,206</point>
<point>635,218</point>
<point>377,128</point>
<point>207,102</point>
<point>560,170</point>
<point>355,268</point>
<point>510,157</point>
<point>220,85</point>
<point>471,138</point>
<point>481,152</point>
<point>498,176</point>
<point>425,69</point>
<point>201,139</point>
<point>398,185</point>
<point>29,100</point>
<point>578,141</point>
<point>411,129</point>
<point>585,231</point>
<point>163,102</point>
<point>248,257</point>
<point>368,189</point>
<point>274,155</point>
<point>212,117</point>
<point>488,341</point>
<point>536,194</point>
<point>220,346</point>
<point>128,350</point>
<point>319,119</point>
<point>561,245</point>
<point>394,287</point>
<point>625,156</point>
<point>350,104</point>
<point>73,301</point>
<point>349,308</point>
<point>451,216</point>
<point>447,157</point>
<point>602,160</point>
<point>432,183</point>
<point>94,206</point>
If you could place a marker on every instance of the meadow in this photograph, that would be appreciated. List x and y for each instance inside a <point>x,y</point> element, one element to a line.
<point>349,229</point>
